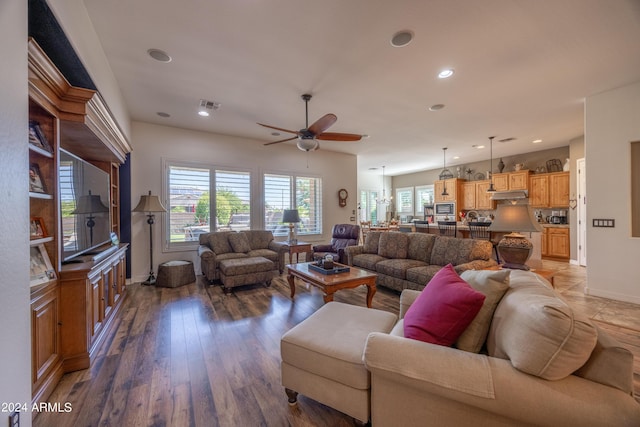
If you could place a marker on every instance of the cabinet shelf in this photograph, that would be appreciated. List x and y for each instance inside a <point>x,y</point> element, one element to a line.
<point>36,242</point>
<point>43,196</point>
<point>40,151</point>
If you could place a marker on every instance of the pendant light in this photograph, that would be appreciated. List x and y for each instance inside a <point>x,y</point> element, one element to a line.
<point>491,188</point>
<point>446,173</point>
<point>384,200</point>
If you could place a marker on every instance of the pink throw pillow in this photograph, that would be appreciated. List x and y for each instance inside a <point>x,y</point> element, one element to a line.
<point>443,310</point>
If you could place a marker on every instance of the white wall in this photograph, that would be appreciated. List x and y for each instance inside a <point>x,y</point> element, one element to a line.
<point>15,327</point>
<point>611,123</point>
<point>154,143</point>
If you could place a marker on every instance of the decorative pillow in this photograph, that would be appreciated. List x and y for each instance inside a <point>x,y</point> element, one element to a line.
<point>239,242</point>
<point>219,242</point>
<point>538,332</point>
<point>443,309</point>
<point>371,242</point>
<point>393,245</point>
<point>493,284</point>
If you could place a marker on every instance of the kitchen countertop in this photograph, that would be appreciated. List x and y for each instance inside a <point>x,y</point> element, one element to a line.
<point>546,225</point>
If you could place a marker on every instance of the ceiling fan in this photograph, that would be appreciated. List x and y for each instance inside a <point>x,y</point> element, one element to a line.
<point>309,136</point>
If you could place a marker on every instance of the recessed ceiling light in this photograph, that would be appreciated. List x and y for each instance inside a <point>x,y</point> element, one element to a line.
<point>203,113</point>
<point>477,146</point>
<point>159,55</point>
<point>162,114</point>
<point>365,136</point>
<point>446,73</point>
<point>507,139</point>
<point>456,157</point>
<point>373,169</point>
<point>402,38</point>
<point>275,133</point>
<point>436,107</point>
<point>536,141</point>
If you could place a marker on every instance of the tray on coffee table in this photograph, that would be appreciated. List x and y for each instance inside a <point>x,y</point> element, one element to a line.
<point>334,270</point>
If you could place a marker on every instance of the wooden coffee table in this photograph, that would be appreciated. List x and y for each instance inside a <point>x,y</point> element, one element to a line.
<point>330,283</point>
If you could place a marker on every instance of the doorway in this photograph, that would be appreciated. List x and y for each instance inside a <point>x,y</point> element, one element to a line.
<point>582,212</point>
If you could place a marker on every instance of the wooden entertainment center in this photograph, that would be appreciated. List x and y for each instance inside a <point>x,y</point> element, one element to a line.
<point>73,305</point>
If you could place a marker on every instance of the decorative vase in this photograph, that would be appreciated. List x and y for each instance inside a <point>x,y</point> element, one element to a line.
<point>565,167</point>
<point>500,165</point>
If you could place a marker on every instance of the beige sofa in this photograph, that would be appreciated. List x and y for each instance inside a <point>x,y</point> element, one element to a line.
<point>225,245</point>
<point>410,260</point>
<point>530,361</point>
<point>545,365</point>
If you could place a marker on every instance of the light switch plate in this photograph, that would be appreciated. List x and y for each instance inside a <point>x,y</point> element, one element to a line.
<point>607,223</point>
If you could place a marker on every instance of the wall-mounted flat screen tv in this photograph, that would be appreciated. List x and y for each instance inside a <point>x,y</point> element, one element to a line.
<point>84,204</point>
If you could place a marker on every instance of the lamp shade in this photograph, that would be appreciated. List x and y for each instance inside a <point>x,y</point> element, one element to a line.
<point>89,205</point>
<point>514,218</point>
<point>149,203</point>
<point>290,215</point>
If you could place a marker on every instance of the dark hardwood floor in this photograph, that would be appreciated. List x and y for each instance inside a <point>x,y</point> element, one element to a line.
<point>193,356</point>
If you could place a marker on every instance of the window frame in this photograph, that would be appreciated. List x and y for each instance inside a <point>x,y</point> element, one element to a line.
<point>168,164</point>
<point>410,208</point>
<point>293,200</point>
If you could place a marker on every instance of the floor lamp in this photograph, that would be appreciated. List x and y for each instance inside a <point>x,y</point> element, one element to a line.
<point>150,204</point>
<point>89,206</point>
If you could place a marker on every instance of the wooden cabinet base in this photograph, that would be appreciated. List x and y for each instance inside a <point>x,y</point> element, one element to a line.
<point>91,295</point>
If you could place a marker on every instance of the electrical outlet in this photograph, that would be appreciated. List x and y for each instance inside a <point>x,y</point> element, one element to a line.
<point>14,419</point>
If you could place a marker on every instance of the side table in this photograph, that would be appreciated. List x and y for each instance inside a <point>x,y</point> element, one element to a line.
<point>298,248</point>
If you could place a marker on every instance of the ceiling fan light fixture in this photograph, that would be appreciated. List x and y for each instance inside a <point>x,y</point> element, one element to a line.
<point>402,38</point>
<point>308,144</point>
<point>436,107</point>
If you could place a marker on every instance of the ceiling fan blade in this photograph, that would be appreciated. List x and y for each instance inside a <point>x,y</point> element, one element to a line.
<point>322,124</point>
<point>281,129</point>
<point>335,136</point>
<point>281,140</point>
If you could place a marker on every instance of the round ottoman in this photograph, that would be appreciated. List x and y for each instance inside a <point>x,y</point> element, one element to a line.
<point>172,274</point>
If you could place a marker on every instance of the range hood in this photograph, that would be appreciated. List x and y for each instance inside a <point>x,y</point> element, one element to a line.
<point>510,195</point>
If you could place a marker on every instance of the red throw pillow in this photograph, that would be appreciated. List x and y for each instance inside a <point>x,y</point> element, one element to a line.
<point>443,310</point>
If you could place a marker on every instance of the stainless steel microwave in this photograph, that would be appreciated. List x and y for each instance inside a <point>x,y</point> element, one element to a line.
<point>448,208</point>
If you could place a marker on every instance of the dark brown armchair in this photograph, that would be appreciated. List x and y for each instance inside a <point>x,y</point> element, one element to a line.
<point>343,235</point>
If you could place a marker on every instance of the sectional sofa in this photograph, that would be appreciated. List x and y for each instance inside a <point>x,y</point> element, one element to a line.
<point>410,260</point>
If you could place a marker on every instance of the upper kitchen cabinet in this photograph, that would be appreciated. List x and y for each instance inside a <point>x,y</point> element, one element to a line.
<point>511,181</point>
<point>549,190</point>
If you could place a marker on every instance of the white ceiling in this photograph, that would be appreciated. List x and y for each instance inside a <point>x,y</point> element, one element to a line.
<point>522,69</point>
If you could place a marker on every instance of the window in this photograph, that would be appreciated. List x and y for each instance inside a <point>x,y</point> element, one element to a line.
<point>369,206</point>
<point>404,200</point>
<point>189,202</point>
<point>424,196</point>
<point>293,192</point>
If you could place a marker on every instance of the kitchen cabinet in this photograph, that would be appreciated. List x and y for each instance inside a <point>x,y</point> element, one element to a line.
<point>454,190</point>
<point>549,190</point>
<point>474,196</point>
<point>559,190</point>
<point>511,181</point>
<point>557,242</point>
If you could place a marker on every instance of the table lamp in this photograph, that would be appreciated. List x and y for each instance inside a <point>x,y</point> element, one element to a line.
<point>150,204</point>
<point>514,248</point>
<point>291,216</point>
